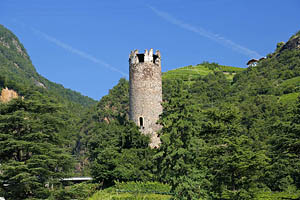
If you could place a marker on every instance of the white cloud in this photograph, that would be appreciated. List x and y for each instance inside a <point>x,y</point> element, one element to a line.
<point>204,33</point>
<point>78,52</point>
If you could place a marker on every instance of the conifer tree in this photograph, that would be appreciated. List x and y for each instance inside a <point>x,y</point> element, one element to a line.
<point>31,147</point>
<point>180,154</point>
<point>235,161</point>
<point>118,151</point>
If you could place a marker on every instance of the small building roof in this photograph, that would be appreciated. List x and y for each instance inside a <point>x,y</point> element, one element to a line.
<point>77,179</point>
<point>252,61</point>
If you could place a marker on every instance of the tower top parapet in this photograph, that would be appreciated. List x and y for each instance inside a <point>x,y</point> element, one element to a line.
<point>148,56</point>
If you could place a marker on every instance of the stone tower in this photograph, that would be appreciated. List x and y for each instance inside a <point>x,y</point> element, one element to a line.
<point>146,92</point>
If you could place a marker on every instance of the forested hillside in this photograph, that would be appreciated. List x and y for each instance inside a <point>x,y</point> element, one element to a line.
<point>38,130</point>
<point>226,134</point>
<point>16,66</point>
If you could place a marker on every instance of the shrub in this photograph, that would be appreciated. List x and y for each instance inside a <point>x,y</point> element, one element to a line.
<point>79,191</point>
<point>134,191</point>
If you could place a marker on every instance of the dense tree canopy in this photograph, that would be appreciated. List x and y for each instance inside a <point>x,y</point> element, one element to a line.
<point>118,151</point>
<point>33,134</point>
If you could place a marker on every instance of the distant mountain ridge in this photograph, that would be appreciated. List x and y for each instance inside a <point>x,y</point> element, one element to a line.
<point>16,66</point>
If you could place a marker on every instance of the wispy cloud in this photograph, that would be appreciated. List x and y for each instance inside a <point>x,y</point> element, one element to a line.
<point>77,52</point>
<point>205,33</point>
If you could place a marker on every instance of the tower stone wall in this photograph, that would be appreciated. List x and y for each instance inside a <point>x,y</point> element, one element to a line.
<point>146,92</point>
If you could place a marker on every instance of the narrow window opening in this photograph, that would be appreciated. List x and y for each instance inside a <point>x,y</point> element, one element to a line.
<point>141,57</point>
<point>154,57</point>
<point>141,122</point>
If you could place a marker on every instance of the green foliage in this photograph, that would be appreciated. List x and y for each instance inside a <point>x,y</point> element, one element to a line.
<point>116,103</point>
<point>16,66</point>
<point>119,152</point>
<point>279,45</point>
<point>189,73</point>
<point>236,160</point>
<point>236,128</point>
<point>104,195</point>
<point>285,152</point>
<point>32,144</point>
<point>289,98</point>
<point>18,73</point>
<point>113,106</point>
<point>134,191</point>
<point>179,156</point>
<point>291,82</point>
<point>142,187</point>
<point>79,191</point>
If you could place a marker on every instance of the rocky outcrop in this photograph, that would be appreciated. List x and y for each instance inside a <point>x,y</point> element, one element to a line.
<point>293,43</point>
<point>7,95</point>
<point>39,84</point>
<point>19,48</point>
<point>3,43</point>
<point>13,44</point>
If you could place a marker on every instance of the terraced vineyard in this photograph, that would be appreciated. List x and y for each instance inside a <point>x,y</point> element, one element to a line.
<point>291,87</point>
<point>190,72</point>
<point>135,191</point>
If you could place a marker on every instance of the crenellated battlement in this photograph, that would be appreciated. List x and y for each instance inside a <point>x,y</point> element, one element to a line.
<point>147,57</point>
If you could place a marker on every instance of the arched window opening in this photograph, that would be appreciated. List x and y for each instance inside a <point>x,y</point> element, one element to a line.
<point>141,122</point>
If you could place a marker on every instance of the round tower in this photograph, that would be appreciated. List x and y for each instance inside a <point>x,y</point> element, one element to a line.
<point>146,92</point>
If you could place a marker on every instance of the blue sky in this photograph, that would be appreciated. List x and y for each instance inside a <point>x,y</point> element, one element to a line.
<point>84,45</point>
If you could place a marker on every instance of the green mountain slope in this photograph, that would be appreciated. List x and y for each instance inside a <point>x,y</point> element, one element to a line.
<point>191,72</point>
<point>278,74</point>
<point>16,66</point>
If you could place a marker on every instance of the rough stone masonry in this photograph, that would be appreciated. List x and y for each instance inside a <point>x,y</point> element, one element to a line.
<point>146,92</point>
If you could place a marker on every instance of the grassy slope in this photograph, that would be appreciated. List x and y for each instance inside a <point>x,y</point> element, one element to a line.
<point>134,191</point>
<point>291,97</point>
<point>105,195</point>
<point>293,81</point>
<point>190,72</point>
<point>137,191</point>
